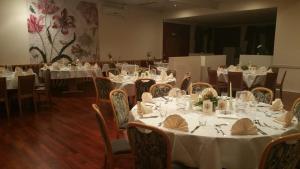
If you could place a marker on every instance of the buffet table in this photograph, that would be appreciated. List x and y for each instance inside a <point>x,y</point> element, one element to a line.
<point>211,145</point>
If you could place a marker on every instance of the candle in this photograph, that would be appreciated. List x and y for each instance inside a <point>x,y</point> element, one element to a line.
<point>230,90</point>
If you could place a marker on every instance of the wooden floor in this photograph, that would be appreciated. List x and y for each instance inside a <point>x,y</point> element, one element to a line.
<point>65,136</point>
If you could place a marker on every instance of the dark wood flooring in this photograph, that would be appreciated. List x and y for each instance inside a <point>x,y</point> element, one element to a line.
<point>65,136</point>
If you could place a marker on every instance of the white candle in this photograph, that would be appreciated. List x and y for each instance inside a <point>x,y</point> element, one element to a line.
<point>230,90</point>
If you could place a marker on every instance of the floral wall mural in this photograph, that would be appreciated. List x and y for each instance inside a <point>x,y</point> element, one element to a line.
<point>62,29</point>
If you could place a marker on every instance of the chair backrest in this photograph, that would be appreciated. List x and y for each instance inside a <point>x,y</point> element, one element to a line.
<point>160,90</point>
<point>26,85</point>
<point>3,88</point>
<point>263,95</point>
<point>296,109</point>
<point>198,87</point>
<point>212,76</point>
<point>119,102</point>
<point>185,83</point>
<point>236,79</point>
<point>114,71</point>
<point>103,131</point>
<point>275,69</point>
<point>283,152</point>
<point>103,87</point>
<point>141,86</point>
<point>150,146</point>
<point>171,71</point>
<point>47,79</point>
<point>271,81</point>
<point>283,78</point>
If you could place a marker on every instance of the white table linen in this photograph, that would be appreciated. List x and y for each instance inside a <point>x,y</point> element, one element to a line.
<point>208,149</point>
<point>69,73</point>
<point>12,79</point>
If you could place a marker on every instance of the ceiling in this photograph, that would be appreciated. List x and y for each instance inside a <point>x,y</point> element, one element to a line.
<point>162,5</point>
<point>231,18</point>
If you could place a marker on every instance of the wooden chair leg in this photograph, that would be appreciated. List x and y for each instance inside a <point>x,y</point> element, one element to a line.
<point>20,106</point>
<point>7,109</point>
<point>34,104</point>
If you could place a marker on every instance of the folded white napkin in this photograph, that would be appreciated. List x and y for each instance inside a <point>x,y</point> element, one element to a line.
<point>96,66</point>
<point>247,96</point>
<point>285,119</point>
<point>176,122</point>
<point>171,76</point>
<point>277,105</point>
<point>270,71</point>
<point>110,75</point>
<point>262,69</point>
<point>142,109</point>
<point>55,66</point>
<point>146,97</point>
<point>123,72</point>
<point>163,75</point>
<point>29,71</point>
<point>243,126</point>
<point>174,92</point>
<point>87,65</point>
<point>18,69</point>
<point>231,68</point>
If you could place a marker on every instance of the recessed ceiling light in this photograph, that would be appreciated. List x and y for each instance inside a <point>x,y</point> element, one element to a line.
<point>175,5</point>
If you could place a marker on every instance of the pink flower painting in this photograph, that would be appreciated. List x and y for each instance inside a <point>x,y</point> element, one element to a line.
<point>34,24</point>
<point>63,22</point>
<point>46,6</point>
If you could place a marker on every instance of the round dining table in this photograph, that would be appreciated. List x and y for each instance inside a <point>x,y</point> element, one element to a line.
<point>209,144</point>
<point>127,82</point>
<point>250,78</point>
<point>12,79</point>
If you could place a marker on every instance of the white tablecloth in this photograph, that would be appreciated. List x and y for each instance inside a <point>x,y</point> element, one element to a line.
<point>207,149</point>
<point>68,73</point>
<point>12,80</point>
<point>127,82</point>
<point>250,78</point>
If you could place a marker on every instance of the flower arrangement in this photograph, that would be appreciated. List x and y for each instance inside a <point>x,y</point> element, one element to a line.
<point>208,94</point>
<point>245,67</point>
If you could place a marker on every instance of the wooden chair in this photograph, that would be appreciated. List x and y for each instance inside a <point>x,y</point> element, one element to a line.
<point>213,80</point>
<point>160,90</point>
<point>119,102</point>
<point>198,87</point>
<point>151,147</point>
<point>185,83</point>
<point>26,90</point>
<point>279,86</point>
<point>271,81</point>
<point>141,86</point>
<point>280,153</point>
<point>103,87</point>
<point>263,95</point>
<point>114,149</point>
<point>45,89</point>
<point>237,82</point>
<point>274,69</point>
<point>296,109</point>
<point>3,95</point>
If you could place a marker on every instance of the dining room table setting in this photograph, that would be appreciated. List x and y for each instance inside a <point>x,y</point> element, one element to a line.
<point>126,80</point>
<point>208,131</point>
<point>12,76</point>
<point>252,75</point>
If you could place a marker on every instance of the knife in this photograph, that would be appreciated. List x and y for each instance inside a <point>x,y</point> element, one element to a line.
<point>195,129</point>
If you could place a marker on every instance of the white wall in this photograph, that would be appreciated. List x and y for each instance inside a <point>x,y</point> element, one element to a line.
<point>13,32</point>
<point>131,35</point>
<point>287,43</point>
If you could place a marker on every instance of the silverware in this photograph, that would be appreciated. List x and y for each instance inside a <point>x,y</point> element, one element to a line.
<point>195,129</point>
<point>217,130</point>
<point>222,132</point>
<point>148,117</point>
<point>262,132</point>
